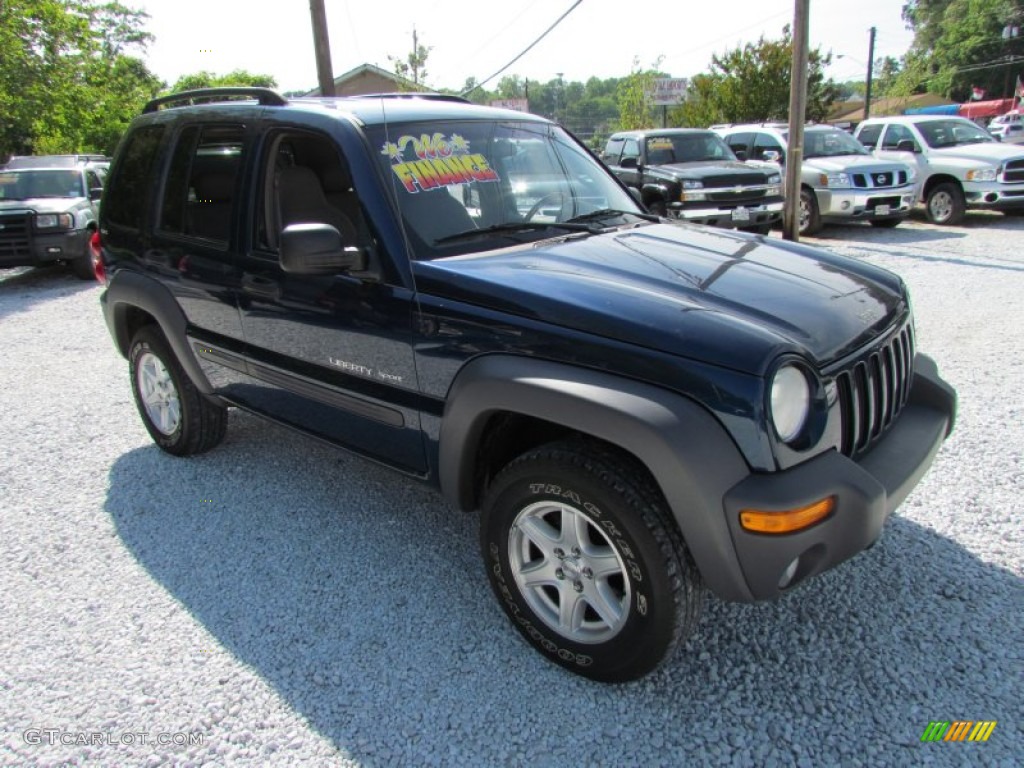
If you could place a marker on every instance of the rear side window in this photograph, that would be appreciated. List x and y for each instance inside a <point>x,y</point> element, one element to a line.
<point>740,142</point>
<point>765,142</point>
<point>201,182</point>
<point>869,134</point>
<point>894,134</point>
<point>132,179</point>
<point>612,151</point>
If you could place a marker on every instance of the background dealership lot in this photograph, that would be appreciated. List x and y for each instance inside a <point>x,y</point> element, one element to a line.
<point>296,606</point>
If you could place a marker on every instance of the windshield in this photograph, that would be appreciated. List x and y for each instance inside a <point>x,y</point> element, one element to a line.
<point>472,185</point>
<point>687,148</point>
<point>949,133</point>
<point>27,184</point>
<point>831,143</point>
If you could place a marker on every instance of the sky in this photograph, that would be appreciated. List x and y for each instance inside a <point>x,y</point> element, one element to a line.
<point>474,39</point>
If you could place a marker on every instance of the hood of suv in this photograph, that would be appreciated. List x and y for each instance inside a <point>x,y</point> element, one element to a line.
<point>990,152</point>
<point>42,204</point>
<point>721,171</point>
<point>854,163</point>
<point>708,294</point>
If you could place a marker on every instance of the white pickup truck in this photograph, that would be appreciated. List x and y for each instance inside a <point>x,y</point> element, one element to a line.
<point>959,165</point>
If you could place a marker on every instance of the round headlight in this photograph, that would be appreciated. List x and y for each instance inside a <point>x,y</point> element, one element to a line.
<point>791,401</point>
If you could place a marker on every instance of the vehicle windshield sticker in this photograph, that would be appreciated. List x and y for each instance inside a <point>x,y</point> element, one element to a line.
<point>435,162</point>
<point>659,143</point>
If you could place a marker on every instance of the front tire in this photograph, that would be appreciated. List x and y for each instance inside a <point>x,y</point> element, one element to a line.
<point>177,416</point>
<point>586,563</point>
<point>945,204</point>
<point>810,216</point>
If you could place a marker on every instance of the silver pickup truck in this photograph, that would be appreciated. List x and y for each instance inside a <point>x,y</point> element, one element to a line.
<point>959,165</point>
<point>839,180</point>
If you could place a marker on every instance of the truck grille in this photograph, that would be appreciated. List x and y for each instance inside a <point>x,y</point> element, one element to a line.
<point>735,180</point>
<point>14,236</point>
<point>1014,171</point>
<point>736,195</point>
<point>873,390</point>
<point>879,179</point>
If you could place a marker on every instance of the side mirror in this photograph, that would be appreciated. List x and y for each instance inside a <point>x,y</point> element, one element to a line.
<point>772,156</point>
<point>317,249</point>
<point>741,154</point>
<point>907,145</point>
<point>629,162</point>
<point>95,193</point>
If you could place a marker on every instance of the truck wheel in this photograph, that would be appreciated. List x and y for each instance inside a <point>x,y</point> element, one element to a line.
<point>945,204</point>
<point>810,217</point>
<point>586,562</point>
<point>179,419</point>
<point>82,266</point>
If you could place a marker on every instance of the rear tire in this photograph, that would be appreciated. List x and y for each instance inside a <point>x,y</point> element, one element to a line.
<point>945,204</point>
<point>586,562</point>
<point>177,416</point>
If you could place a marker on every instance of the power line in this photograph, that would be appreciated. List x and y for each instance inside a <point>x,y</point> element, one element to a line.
<point>525,50</point>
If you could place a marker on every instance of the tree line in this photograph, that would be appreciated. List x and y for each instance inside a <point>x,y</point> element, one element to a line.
<point>73,75</point>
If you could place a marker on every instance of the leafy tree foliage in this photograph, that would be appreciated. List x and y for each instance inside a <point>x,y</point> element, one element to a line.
<point>751,84</point>
<point>413,67</point>
<point>67,81</point>
<point>205,79</point>
<point>959,44</point>
<point>635,108</point>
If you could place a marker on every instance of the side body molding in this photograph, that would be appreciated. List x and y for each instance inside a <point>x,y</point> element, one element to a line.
<point>131,290</point>
<point>690,455</point>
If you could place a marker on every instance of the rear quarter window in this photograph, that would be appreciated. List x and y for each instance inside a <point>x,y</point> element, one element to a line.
<point>132,179</point>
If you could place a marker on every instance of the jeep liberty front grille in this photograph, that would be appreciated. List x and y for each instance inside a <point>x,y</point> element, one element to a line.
<point>874,389</point>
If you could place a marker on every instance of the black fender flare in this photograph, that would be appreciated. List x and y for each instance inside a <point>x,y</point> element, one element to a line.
<point>686,450</point>
<point>133,290</point>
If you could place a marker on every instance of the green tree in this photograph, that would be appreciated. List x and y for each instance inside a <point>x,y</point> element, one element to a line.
<point>959,44</point>
<point>67,81</point>
<point>205,79</point>
<point>751,84</point>
<point>413,67</point>
<point>633,96</point>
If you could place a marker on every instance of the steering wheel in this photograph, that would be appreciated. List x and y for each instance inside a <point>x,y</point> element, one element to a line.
<point>535,208</point>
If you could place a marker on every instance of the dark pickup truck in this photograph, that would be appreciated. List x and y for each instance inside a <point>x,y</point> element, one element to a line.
<point>691,174</point>
<point>637,407</point>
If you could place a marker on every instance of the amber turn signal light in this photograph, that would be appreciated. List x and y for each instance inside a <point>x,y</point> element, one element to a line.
<point>788,520</point>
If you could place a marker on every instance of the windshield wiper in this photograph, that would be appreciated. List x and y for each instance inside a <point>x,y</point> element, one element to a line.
<point>509,227</point>
<point>605,213</point>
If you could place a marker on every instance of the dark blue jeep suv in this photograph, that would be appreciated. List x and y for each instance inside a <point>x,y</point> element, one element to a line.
<point>638,408</point>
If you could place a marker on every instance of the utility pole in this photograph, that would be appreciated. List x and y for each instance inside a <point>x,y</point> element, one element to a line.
<point>797,110</point>
<point>871,67</point>
<point>322,48</point>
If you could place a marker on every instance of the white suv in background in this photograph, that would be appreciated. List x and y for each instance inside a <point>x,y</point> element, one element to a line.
<point>959,165</point>
<point>1008,128</point>
<point>839,179</point>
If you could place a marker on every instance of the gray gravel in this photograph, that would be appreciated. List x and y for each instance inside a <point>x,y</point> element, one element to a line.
<point>290,605</point>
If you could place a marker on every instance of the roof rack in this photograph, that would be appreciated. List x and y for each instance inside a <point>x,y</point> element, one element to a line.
<point>265,96</point>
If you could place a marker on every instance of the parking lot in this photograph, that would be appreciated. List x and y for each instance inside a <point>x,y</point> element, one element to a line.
<point>277,602</point>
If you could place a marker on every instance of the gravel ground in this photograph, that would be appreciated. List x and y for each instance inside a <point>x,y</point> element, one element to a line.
<point>282,603</point>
